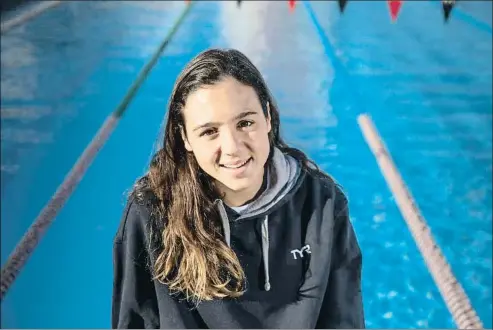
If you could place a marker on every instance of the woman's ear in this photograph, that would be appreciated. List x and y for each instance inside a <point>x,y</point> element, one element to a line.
<point>269,126</point>
<point>185,140</point>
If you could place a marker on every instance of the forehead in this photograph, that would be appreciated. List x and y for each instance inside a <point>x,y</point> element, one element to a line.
<point>220,101</point>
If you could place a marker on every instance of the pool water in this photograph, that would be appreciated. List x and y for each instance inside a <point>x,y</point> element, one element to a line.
<point>426,84</point>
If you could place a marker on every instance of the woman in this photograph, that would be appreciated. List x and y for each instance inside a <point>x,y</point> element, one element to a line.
<point>230,227</point>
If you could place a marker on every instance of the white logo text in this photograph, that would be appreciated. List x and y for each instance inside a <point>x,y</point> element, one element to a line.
<point>297,252</point>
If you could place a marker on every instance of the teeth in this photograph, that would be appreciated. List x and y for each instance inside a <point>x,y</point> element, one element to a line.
<point>237,166</point>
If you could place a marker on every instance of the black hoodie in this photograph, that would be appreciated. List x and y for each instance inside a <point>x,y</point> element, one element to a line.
<point>295,243</point>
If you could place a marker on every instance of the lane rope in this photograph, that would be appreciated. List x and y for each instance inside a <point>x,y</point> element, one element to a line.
<point>32,237</point>
<point>455,297</point>
<point>41,7</point>
<point>451,290</point>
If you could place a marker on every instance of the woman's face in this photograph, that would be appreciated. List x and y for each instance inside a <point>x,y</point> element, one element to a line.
<point>227,132</point>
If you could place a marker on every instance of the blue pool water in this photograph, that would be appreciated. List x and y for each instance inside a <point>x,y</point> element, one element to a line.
<point>427,85</point>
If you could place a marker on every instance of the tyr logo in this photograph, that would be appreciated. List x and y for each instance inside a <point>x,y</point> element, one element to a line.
<point>296,252</point>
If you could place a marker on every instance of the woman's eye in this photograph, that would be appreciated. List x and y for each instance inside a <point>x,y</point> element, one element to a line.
<point>208,132</point>
<point>245,123</point>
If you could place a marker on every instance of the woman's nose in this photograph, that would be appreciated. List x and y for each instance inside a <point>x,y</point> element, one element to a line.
<point>230,142</point>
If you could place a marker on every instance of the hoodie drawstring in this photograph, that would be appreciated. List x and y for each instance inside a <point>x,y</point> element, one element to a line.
<point>224,221</point>
<point>265,239</point>
<point>265,251</point>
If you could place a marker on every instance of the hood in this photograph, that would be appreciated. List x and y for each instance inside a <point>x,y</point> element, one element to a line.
<point>287,171</point>
<point>281,177</point>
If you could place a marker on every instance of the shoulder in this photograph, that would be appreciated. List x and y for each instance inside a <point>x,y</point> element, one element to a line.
<point>138,215</point>
<point>333,206</point>
<point>134,222</point>
<point>326,188</point>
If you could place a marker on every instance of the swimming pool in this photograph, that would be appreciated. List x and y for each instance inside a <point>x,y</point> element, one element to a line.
<point>430,96</point>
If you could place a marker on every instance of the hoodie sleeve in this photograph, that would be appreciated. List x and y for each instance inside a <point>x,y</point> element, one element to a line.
<point>343,304</point>
<point>138,301</point>
<point>134,302</point>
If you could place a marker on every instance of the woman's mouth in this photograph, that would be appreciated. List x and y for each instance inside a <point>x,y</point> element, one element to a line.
<point>237,165</point>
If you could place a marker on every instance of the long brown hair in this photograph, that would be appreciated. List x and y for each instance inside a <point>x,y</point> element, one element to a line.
<point>192,257</point>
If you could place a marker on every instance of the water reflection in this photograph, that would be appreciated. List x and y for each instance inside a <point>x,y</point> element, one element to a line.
<point>294,66</point>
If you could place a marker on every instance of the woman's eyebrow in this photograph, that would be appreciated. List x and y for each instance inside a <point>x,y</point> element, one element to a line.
<point>239,116</point>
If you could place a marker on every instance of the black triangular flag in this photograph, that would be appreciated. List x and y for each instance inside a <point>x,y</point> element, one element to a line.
<point>342,5</point>
<point>238,3</point>
<point>447,5</point>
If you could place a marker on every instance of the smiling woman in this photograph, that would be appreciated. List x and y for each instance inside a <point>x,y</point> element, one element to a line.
<point>231,227</point>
